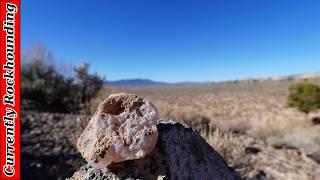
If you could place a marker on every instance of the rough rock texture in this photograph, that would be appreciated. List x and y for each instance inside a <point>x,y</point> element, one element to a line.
<point>180,153</point>
<point>123,128</point>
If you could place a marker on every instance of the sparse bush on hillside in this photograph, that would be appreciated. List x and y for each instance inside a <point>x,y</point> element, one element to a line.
<point>304,96</point>
<point>46,87</point>
<point>87,84</point>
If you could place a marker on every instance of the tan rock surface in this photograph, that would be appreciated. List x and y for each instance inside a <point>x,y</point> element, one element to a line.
<point>180,153</point>
<point>123,128</point>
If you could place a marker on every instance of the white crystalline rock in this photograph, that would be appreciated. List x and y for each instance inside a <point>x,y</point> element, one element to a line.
<point>123,128</point>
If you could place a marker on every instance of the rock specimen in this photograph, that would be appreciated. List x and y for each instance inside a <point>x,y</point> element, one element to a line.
<point>123,128</point>
<point>180,153</point>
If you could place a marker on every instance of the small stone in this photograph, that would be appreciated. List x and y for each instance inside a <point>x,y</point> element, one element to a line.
<point>316,120</point>
<point>38,165</point>
<point>123,128</point>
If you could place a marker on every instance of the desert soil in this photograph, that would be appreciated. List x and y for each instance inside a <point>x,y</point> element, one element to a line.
<point>248,123</point>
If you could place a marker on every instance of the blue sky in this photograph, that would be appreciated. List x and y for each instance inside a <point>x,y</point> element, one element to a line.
<point>178,40</point>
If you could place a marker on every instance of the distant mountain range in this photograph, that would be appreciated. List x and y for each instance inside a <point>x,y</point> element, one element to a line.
<point>147,82</point>
<point>134,83</point>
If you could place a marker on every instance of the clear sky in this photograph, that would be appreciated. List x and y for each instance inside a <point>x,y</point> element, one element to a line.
<point>178,40</point>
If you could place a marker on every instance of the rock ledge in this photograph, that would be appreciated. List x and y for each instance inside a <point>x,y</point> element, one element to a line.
<point>180,153</point>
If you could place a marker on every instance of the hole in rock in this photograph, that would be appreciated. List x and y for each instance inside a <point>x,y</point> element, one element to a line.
<point>119,105</point>
<point>114,107</point>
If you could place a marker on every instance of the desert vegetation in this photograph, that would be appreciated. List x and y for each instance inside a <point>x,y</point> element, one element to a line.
<point>304,96</point>
<point>259,127</point>
<point>53,99</point>
<point>234,116</point>
<point>48,87</point>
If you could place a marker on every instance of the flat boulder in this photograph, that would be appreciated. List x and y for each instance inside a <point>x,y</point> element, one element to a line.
<point>180,153</point>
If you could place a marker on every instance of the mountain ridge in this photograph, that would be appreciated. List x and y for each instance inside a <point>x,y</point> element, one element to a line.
<point>140,82</point>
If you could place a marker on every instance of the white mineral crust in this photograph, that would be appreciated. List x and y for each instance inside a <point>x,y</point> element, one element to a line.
<point>123,128</point>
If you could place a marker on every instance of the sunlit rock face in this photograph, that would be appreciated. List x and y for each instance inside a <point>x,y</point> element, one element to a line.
<point>123,128</point>
<point>180,153</point>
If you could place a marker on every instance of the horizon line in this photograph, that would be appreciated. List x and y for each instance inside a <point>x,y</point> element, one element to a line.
<point>218,81</point>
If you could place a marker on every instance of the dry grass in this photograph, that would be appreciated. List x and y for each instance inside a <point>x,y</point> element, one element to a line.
<point>238,119</point>
<point>235,116</point>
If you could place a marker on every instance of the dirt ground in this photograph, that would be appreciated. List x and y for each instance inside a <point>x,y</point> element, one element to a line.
<point>247,122</point>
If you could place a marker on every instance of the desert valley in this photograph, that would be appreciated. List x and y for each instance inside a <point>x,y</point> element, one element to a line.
<point>248,122</point>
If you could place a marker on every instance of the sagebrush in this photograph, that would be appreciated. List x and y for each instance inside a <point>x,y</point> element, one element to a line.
<point>304,96</point>
<point>47,87</point>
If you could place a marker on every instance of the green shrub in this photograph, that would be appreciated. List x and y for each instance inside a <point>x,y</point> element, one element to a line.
<point>304,96</point>
<point>87,84</point>
<point>46,87</point>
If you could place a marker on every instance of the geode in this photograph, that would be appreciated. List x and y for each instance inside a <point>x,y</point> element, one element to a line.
<point>123,128</point>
